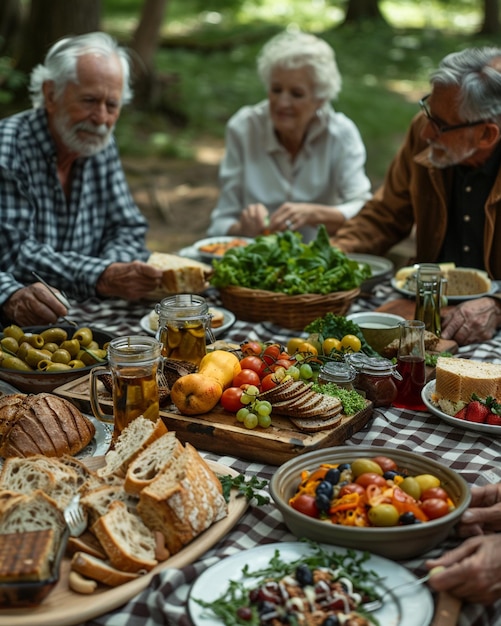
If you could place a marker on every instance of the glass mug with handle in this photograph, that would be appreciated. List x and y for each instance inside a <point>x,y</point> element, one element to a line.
<point>133,366</point>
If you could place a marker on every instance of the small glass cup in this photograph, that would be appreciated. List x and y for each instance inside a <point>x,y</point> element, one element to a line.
<point>133,366</point>
<point>184,327</point>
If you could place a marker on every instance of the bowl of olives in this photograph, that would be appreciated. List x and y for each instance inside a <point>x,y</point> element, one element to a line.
<point>40,358</point>
<point>390,502</point>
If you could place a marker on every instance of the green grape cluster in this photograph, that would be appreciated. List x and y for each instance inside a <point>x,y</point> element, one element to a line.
<point>255,412</point>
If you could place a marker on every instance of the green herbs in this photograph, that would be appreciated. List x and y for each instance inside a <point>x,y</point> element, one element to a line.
<point>338,326</point>
<point>430,358</point>
<point>352,401</point>
<point>247,487</point>
<point>283,263</point>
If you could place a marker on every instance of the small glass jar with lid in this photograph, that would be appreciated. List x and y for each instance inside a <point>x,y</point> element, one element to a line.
<point>375,377</point>
<point>338,372</point>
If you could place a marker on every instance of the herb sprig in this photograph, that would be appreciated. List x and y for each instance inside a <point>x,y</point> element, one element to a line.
<point>247,487</point>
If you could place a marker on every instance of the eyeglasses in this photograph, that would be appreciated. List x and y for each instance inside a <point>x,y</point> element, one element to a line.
<point>445,128</point>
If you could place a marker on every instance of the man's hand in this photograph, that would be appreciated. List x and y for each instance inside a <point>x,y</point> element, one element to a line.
<point>472,321</point>
<point>484,513</point>
<point>130,281</point>
<point>472,570</point>
<point>33,305</point>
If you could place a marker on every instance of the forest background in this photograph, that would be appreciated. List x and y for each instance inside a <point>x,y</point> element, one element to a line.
<point>196,65</point>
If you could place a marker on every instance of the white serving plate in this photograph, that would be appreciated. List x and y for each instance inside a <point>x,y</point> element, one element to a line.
<point>228,321</point>
<point>381,269</point>
<point>197,246</point>
<point>414,608</point>
<point>426,393</point>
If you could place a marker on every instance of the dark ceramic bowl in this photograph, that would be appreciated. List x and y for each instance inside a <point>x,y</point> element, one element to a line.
<point>398,542</point>
<point>39,381</point>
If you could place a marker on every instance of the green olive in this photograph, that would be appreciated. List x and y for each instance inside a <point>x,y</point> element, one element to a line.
<point>50,346</point>
<point>33,339</point>
<point>76,364</point>
<point>44,364</point>
<point>58,367</point>
<point>15,363</point>
<point>84,336</point>
<point>411,486</point>
<point>383,515</point>
<point>61,356</point>
<point>33,356</point>
<point>365,466</point>
<point>72,345</point>
<point>13,331</point>
<point>23,349</point>
<point>93,345</point>
<point>10,344</point>
<point>56,334</point>
<point>91,357</point>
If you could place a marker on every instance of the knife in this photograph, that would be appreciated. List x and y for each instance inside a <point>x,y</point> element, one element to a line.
<point>60,295</point>
<point>447,610</point>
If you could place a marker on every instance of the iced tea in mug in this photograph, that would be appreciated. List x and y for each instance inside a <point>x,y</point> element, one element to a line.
<point>133,367</point>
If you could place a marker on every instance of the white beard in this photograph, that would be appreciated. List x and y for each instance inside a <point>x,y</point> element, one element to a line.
<point>443,157</point>
<point>98,137</point>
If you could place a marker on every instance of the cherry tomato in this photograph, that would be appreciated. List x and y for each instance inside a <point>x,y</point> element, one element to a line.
<point>435,492</point>
<point>293,344</point>
<point>271,353</point>
<point>330,344</point>
<point>251,347</point>
<point>268,382</point>
<point>351,488</point>
<point>254,363</point>
<point>306,346</point>
<point>246,377</point>
<point>370,478</point>
<point>285,363</point>
<point>305,504</point>
<point>385,463</point>
<point>435,507</point>
<point>351,343</point>
<point>230,400</point>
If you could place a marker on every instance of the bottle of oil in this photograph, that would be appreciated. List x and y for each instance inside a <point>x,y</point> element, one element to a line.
<point>430,286</point>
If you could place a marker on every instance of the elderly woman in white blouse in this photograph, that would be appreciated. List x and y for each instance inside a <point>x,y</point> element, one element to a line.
<point>291,161</point>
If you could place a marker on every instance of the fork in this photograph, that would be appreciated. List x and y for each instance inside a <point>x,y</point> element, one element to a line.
<point>369,607</point>
<point>75,517</point>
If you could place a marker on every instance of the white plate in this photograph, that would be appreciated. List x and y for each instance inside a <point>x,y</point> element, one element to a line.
<point>408,292</point>
<point>426,393</point>
<point>101,442</point>
<point>211,240</point>
<point>228,321</point>
<point>412,609</point>
<point>381,268</point>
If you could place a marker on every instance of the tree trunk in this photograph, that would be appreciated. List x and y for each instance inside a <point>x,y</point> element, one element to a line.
<point>491,24</point>
<point>360,10</point>
<point>50,20</point>
<point>144,44</point>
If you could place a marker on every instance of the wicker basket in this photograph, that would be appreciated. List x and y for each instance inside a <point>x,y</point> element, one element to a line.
<point>293,312</point>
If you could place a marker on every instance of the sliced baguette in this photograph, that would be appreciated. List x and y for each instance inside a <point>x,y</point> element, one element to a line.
<point>98,569</point>
<point>128,543</point>
<point>139,434</point>
<point>98,501</point>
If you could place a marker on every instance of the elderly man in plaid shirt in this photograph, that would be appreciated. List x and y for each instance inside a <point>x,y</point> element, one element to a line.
<point>66,212</point>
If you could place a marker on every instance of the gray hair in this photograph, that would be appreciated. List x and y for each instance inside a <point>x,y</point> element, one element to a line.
<point>477,73</point>
<point>292,50</point>
<point>60,65</point>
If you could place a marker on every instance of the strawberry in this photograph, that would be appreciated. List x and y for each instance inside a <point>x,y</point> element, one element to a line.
<point>493,419</point>
<point>476,412</point>
<point>461,414</point>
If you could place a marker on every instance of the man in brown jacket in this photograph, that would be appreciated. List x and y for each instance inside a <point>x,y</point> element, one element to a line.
<point>446,180</point>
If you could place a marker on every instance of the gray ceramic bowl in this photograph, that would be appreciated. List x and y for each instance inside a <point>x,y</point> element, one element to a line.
<point>399,542</point>
<point>379,329</point>
<point>38,382</point>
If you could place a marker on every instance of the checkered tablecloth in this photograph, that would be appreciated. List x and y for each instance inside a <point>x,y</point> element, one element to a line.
<point>476,457</point>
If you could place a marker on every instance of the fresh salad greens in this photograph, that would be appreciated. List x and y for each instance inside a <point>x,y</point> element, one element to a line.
<point>351,400</point>
<point>283,263</point>
<point>338,326</point>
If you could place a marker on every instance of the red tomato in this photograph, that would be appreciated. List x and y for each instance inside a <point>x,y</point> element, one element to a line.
<point>435,492</point>
<point>370,478</point>
<point>246,377</point>
<point>305,504</point>
<point>385,463</point>
<point>435,507</point>
<point>281,363</point>
<point>351,488</point>
<point>230,400</point>
<point>254,363</point>
<point>271,353</point>
<point>251,348</point>
<point>268,382</point>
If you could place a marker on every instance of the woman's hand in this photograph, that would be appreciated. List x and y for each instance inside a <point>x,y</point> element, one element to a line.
<point>34,305</point>
<point>295,215</point>
<point>253,221</point>
<point>472,321</point>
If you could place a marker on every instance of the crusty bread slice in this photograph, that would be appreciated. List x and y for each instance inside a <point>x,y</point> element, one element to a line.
<point>457,379</point>
<point>180,274</point>
<point>129,544</point>
<point>98,501</point>
<point>98,569</point>
<point>87,543</point>
<point>139,434</point>
<point>152,460</point>
<point>184,500</point>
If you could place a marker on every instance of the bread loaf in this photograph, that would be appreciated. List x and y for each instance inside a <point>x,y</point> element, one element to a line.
<point>140,433</point>
<point>129,544</point>
<point>180,274</point>
<point>183,500</point>
<point>27,556</point>
<point>43,424</point>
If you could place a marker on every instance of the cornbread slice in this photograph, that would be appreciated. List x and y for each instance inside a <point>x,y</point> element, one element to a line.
<point>457,379</point>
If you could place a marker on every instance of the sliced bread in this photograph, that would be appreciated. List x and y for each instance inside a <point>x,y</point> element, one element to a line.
<point>99,569</point>
<point>129,544</point>
<point>98,501</point>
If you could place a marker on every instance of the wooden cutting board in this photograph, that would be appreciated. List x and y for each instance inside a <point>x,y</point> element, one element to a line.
<point>219,431</point>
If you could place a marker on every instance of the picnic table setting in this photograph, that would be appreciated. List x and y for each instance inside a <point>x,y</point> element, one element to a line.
<point>330,445</point>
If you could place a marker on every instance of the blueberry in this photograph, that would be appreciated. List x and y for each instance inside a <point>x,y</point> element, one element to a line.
<point>304,575</point>
<point>323,502</point>
<point>325,488</point>
<point>332,620</point>
<point>344,466</point>
<point>333,475</point>
<point>407,518</point>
